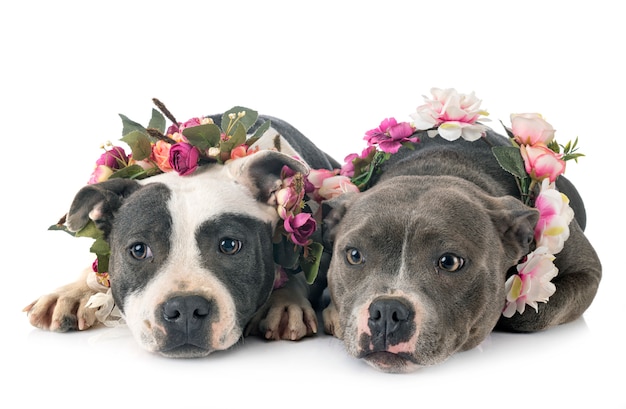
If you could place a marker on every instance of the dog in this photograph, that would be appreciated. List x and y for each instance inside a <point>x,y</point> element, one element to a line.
<point>420,260</point>
<point>192,265</point>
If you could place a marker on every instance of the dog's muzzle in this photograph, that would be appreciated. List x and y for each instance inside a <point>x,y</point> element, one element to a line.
<point>187,321</point>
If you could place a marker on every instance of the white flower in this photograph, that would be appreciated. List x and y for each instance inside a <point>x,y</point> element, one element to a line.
<point>532,284</point>
<point>453,114</point>
<point>555,215</point>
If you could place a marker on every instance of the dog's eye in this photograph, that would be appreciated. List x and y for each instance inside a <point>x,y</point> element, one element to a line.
<point>354,256</point>
<point>140,251</point>
<point>450,262</point>
<point>230,246</point>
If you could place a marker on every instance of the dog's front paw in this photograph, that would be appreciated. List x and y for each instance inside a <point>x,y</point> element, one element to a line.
<point>288,316</point>
<point>64,309</point>
<point>331,321</point>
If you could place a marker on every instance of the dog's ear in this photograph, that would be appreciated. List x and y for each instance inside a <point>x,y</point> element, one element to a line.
<point>333,211</point>
<point>516,223</point>
<point>97,202</point>
<point>261,172</point>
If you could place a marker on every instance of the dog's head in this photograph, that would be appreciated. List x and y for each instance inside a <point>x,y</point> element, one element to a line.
<point>191,256</point>
<point>418,267</point>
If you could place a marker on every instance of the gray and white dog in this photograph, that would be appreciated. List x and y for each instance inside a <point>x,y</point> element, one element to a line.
<point>420,259</point>
<point>192,263</point>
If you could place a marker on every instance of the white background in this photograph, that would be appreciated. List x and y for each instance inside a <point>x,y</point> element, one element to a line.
<point>334,70</point>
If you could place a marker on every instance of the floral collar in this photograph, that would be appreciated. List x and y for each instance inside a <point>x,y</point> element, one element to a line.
<point>183,147</point>
<point>534,158</point>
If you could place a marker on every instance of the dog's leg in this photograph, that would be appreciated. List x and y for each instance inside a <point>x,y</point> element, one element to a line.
<point>64,309</point>
<point>331,321</point>
<point>288,314</point>
<point>576,286</point>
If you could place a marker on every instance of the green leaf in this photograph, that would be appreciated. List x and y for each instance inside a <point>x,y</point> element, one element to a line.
<point>134,172</point>
<point>100,247</point>
<point>247,120</point>
<point>509,132</point>
<point>129,126</point>
<point>574,156</point>
<point>258,133</point>
<point>103,263</point>
<point>157,121</point>
<point>311,266</point>
<point>90,230</point>
<point>239,136</point>
<point>102,250</point>
<point>204,136</point>
<point>511,160</point>
<point>62,227</point>
<point>139,142</point>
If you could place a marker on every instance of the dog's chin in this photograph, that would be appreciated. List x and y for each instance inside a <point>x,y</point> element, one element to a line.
<point>390,362</point>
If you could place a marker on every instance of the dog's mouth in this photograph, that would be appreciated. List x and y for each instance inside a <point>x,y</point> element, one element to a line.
<point>186,351</point>
<point>392,363</point>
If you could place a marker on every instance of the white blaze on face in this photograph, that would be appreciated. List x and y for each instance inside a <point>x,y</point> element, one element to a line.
<point>194,200</point>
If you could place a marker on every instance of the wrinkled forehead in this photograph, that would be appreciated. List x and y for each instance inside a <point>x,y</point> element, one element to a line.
<point>208,194</point>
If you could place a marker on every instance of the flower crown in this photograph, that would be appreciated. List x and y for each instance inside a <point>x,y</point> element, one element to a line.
<point>183,147</point>
<point>534,158</point>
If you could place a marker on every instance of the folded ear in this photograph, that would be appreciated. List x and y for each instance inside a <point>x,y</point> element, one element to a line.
<point>98,202</point>
<point>333,211</point>
<point>261,172</point>
<point>516,224</point>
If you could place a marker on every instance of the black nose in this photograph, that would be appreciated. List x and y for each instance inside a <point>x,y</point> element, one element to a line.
<point>186,314</point>
<point>390,322</point>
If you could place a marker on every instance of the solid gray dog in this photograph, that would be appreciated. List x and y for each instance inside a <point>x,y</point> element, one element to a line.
<point>420,259</point>
<point>193,263</point>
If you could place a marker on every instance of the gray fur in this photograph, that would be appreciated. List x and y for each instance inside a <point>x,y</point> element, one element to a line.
<point>443,199</point>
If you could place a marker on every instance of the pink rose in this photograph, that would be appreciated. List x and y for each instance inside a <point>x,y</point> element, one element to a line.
<point>390,135</point>
<point>531,129</point>
<point>317,176</point>
<point>542,162</point>
<point>114,158</point>
<point>288,200</point>
<point>336,186</point>
<point>300,228</point>
<point>184,158</point>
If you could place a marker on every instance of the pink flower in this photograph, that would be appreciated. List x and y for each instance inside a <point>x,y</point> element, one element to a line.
<point>541,162</point>
<point>316,178</point>
<point>531,129</point>
<point>300,228</point>
<point>114,158</point>
<point>335,186</point>
<point>100,174</point>
<point>555,215</point>
<point>348,168</point>
<point>175,131</point>
<point>239,152</point>
<point>184,158</point>
<point>288,200</point>
<point>532,283</point>
<point>390,135</point>
<point>453,114</point>
<point>161,155</point>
